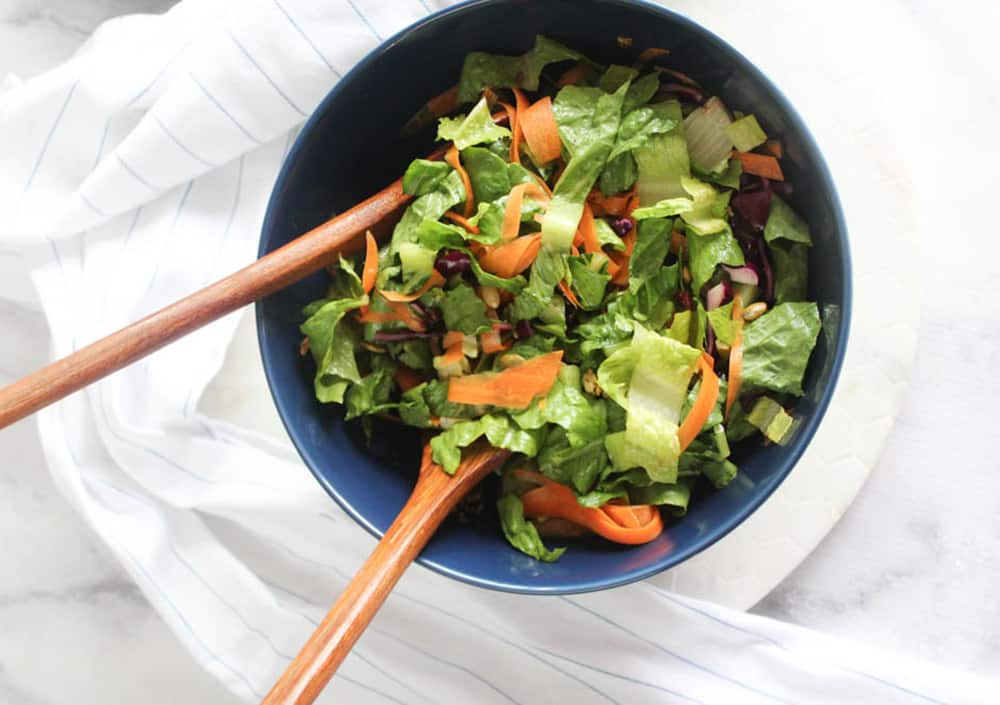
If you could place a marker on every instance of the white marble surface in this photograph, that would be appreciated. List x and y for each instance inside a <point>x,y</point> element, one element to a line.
<point>910,567</point>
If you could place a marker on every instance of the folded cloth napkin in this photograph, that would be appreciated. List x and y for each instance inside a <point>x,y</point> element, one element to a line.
<point>138,172</point>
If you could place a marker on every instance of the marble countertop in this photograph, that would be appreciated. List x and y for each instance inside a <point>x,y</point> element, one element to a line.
<point>911,567</point>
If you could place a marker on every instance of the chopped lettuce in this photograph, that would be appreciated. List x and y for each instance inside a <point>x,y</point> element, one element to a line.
<point>772,420</point>
<point>522,534</point>
<point>746,133</point>
<point>663,209</point>
<point>332,343</point>
<point>372,394</point>
<point>499,429</point>
<point>785,224</point>
<point>651,246</point>
<point>447,193</point>
<point>488,173</point>
<point>777,346</point>
<point>706,252</point>
<point>464,311</point>
<point>723,324</point>
<point>705,216</point>
<point>790,262</point>
<point>663,160</point>
<point>423,176</point>
<point>475,128</point>
<point>589,283</point>
<point>482,70</point>
<point>649,379</point>
<point>708,140</point>
<point>582,170</point>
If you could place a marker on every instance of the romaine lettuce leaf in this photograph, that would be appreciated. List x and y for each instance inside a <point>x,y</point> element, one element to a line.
<point>332,342</point>
<point>522,534</point>
<point>663,159</point>
<point>464,311</point>
<point>652,243</point>
<point>488,173</point>
<point>585,165</point>
<point>588,283</point>
<point>372,393</point>
<point>663,209</point>
<point>500,431</point>
<point>583,418</point>
<point>723,324</point>
<point>433,204</point>
<point>746,133</point>
<point>618,175</point>
<point>703,218</point>
<point>482,70</point>
<point>785,224</point>
<point>616,75</point>
<point>777,346</point>
<point>575,466</point>
<point>423,176</point>
<point>790,262</point>
<point>650,379</point>
<point>772,420</point>
<point>640,92</point>
<point>475,128</point>
<point>706,252</point>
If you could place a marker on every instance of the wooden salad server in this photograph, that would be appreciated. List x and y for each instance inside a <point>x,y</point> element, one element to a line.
<point>435,495</point>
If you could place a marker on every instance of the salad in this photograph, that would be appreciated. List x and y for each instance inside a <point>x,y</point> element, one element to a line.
<point>603,275</point>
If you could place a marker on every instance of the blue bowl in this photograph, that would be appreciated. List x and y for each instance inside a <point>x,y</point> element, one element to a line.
<point>348,150</point>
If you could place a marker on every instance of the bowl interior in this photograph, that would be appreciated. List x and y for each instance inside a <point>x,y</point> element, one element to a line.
<point>350,149</point>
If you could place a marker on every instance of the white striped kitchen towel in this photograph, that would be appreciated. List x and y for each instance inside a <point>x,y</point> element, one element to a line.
<point>137,172</point>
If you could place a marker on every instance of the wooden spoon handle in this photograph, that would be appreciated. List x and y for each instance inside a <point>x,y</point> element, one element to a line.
<point>434,496</point>
<point>299,258</point>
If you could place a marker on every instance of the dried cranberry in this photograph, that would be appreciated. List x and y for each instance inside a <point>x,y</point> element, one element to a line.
<point>524,329</point>
<point>684,300</point>
<point>622,226</point>
<point>452,262</point>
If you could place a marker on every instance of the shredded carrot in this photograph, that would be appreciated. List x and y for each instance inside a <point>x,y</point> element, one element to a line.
<point>568,293</point>
<point>538,123</point>
<point>462,221</point>
<point>588,231</point>
<point>622,515</point>
<point>608,205</point>
<point>513,388</point>
<point>735,356</point>
<point>492,342</point>
<point>761,164</point>
<point>633,203</point>
<point>572,76</point>
<point>515,132</point>
<point>513,257</point>
<point>370,270</point>
<point>774,148</point>
<point>435,279</point>
<point>452,337</point>
<point>651,54</point>
<point>620,259</point>
<point>626,524</point>
<point>708,394</point>
<point>451,156</point>
<point>400,313</point>
<point>406,378</point>
<point>512,213</point>
<point>453,353</point>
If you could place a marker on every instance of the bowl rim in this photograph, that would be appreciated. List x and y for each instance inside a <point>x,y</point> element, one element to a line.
<point>808,429</point>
